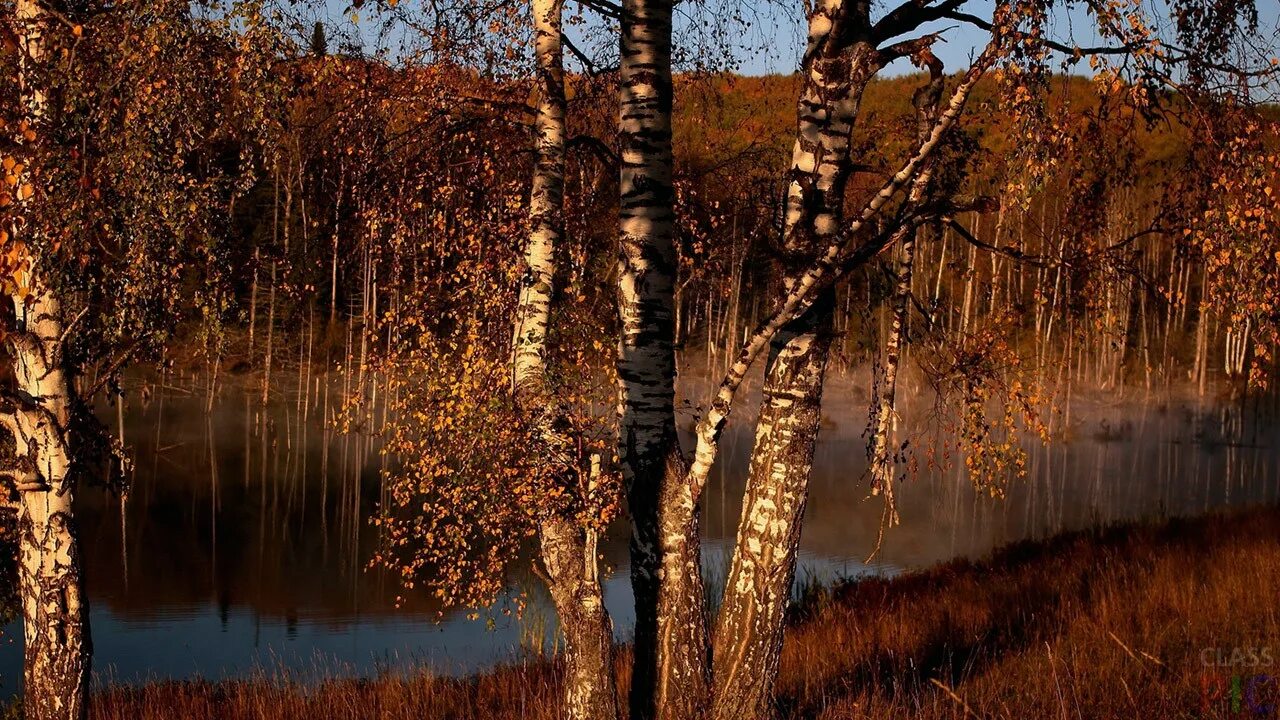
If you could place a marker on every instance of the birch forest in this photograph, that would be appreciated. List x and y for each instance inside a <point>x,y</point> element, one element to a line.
<point>649,359</point>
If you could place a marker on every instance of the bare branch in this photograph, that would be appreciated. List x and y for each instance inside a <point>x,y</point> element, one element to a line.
<point>1073,51</point>
<point>611,10</point>
<point>910,15</point>
<point>586,61</point>
<point>597,147</point>
<point>1043,261</point>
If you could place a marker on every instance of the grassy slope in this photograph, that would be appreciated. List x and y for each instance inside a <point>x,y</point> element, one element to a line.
<point>1110,624</point>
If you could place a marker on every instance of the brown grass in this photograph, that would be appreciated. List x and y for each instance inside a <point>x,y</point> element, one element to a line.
<point>1110,624</point>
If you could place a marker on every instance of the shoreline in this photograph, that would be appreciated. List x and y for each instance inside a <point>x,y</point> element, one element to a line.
<point>1099,623</point>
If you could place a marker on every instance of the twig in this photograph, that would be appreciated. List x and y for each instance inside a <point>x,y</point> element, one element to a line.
<point>1131,653</point>
<point>959,700</point>
<point>1122,645</point>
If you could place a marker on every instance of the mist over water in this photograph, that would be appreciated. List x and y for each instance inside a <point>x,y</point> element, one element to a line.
<point>244,542</point>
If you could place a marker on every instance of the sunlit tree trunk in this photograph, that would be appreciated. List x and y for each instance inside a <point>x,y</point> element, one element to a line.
<point>567,549</point>
<point>837,67</point>
<point>56,637</point>
<point>570,557</point>
<point>55,624</point>
<point>748,639</point>
<point>670,674</point>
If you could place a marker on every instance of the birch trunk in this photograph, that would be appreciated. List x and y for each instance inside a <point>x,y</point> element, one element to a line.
<point>54,608</point>
<point>882,451</point>
<point>55,614</point>
<point>567,549</point>
<point>748,639</point>
<point>669,679</point>
<point>570,557</point>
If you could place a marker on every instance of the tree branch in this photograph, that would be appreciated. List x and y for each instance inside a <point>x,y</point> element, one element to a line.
<point>910,15</point>
<point>611,10</point>
<point>1042,261</point>
<point>829,266</point>
<point>596,147</point>
<point>1073,51</point>
<point>587,62</point>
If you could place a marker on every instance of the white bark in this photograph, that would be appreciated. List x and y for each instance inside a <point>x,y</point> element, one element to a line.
<point>669,677</point>
<point>834,259</point>
<point>567,549</point>
<point>883,448</point>
<point>749,629</point>
<point>546,200</point>
<point>646,220</point>
<point>56,655</point>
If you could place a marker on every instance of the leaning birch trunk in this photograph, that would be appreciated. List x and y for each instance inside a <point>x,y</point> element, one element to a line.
<point>882,449</point>
<point>669,679</point>
<point>57,652</point>
<point>567,549</point>
<point>748,639</point>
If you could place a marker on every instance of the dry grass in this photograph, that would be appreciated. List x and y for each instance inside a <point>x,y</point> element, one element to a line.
<point>523,691</point>
<point>1112,624</point>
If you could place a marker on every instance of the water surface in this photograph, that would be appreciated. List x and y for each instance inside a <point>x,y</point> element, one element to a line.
<point>244,541</point>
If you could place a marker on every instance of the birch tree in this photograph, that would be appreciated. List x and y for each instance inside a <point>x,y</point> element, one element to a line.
<point>498,443</point>
<point>679,684</point>
<point>104,219</point>
<point>758,585</point>
<point>39,416</point>
<point>568,548</point>
<point>846,49</point>
<point>669,673</point>
<point>523,472</point>
<point>757,589</point>
<point>881,452</point>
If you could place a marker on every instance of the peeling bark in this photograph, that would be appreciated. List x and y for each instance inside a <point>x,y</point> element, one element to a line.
<point>55,613</point>
<point>749,633</point>
<point>569,554</point>
<point>750,628</point>
<point>54,608</point>
<point>748,639</point>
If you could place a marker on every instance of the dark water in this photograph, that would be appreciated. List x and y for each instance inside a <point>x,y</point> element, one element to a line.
<point>243,544</point>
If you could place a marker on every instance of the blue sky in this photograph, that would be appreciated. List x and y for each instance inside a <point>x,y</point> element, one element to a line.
<point>774,43</point>
<point>766,36</point>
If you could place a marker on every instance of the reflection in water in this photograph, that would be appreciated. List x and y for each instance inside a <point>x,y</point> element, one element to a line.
<point>244,541</point>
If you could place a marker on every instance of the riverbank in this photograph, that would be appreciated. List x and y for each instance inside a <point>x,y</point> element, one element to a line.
<point>1163,621</point>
